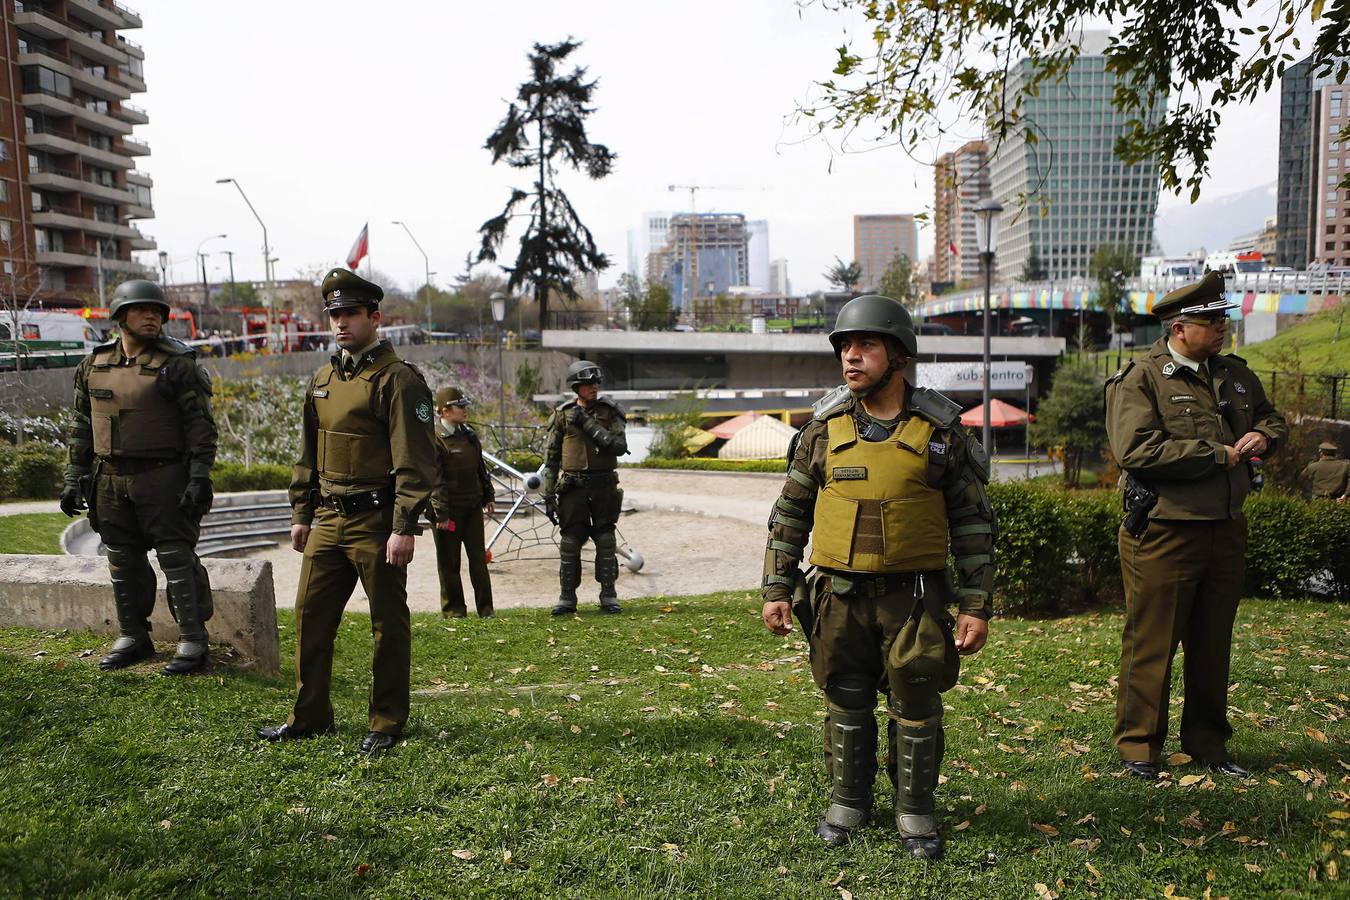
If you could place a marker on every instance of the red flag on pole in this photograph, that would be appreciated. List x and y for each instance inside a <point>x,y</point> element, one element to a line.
<point>360,248</point>
<point>951,247</point>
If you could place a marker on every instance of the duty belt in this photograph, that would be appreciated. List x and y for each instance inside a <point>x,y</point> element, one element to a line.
<point>124,465</point>
<point>590,476</point>
<point>363,501</point>
<point>864,584</point>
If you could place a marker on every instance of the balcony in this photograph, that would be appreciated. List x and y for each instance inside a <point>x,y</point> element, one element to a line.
<point>43,24</point>
<point>135,148</point>
<point>62,217</point>
<point>143,241</point>
<point>58,143</point>
<point>134,114</point>
<point>141,178</point>
<point>71,183</point>
<point>63,260</point>
<point>133,83</point>
<point>61,106</point>
<point>98,16</point>
<point>91,82</point>
<point>131,48</point>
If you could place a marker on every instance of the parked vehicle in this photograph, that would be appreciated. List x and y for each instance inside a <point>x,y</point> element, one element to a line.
<point>47,340</point>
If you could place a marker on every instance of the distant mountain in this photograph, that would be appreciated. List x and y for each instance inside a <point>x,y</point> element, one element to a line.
<point>1213,221</point>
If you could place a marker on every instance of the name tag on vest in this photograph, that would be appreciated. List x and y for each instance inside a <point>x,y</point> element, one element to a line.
<point>101,393</point>
<point>320,393</point>
<point>849,473</point>
<point>1178,398</point>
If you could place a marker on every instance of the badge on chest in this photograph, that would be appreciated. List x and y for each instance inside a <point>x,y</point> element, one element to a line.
<point>849,473</point>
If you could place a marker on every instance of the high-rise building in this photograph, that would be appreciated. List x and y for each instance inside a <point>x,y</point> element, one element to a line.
<point>1312,216</point>
<point>69,188</point>
<point>960,182</point>
<point>646,239</point>
<point>1078,195</point>
<point>779,283</point>
<point>877,240</point>
<point>757,231</point>
<point>722,244</point>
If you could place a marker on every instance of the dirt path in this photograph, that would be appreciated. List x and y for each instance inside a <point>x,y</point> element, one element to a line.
<point>697,532</point>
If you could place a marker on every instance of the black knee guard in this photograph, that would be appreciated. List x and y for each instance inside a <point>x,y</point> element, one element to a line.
<point>851,739</point>
<point>606,559</point>
<point>133,586</point>
<point>918,758</point>
<point>190,608</point>
<point>569,564</point>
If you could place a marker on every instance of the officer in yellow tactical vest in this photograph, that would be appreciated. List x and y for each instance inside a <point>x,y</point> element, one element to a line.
<point>141,451</point>
<point>585,440</point>
<point>1184,420</point>
<point>465,492</point>
<point>884,482</point>
<point>1328,476</point>
<point>365,475</point>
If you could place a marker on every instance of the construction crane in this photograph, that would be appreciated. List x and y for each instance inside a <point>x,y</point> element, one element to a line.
<point>693,190</point>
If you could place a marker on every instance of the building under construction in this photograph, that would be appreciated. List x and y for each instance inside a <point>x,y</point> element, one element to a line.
<point>706,254</point>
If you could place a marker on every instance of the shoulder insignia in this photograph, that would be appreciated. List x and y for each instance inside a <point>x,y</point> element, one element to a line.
<point>1235,357</point>
<point>1121,372</point>
<point>831,404</point>
<point>979,460</point>
<point>416,371</point>
<point>941,411</point>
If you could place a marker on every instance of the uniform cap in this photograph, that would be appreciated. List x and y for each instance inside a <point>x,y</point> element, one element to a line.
<point>1329,447</point>
<point>343,289</point>
<point>451,396</point>
<point>1204,297</point>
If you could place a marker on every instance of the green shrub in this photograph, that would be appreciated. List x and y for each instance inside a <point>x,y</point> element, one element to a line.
<point>523,461</point>
<point>34,473</point>
<point>232,476</point>
<point>1033,546</point>
<point>1282,551</point>
<point>1330,534</point>
<point>1094,523</point>
<point>708,464</point>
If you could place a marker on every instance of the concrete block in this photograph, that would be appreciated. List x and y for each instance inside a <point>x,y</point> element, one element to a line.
<point>75,593</point>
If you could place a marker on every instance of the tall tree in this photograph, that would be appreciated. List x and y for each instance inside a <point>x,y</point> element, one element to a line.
<point>1112,266</point>
<point>923,67</point>
<point>1073,416</point>
<point>897,282</point>
<point>544,126</point>
<point>844,276</point>
<point>1034,267</point>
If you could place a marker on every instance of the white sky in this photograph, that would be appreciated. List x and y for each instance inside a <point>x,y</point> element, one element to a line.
<point>335,113</point>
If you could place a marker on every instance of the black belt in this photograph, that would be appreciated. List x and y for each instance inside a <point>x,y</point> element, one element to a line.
<point>590,476</point>
<point>364,501</point>
<point>876,585</point>
<point>134,466</point>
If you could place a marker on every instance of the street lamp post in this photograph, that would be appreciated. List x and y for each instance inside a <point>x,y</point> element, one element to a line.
<point>426,267</point>
<point>267,250</point>
<point>986,234</point>
<point>499,316</point>
<point>163,269</point>
<point>206,283</point>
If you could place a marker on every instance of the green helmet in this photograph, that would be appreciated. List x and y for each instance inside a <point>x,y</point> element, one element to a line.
<point>879,315</point>
<point>138,290</point>
<point>451,396</point>
<point>583,371</point>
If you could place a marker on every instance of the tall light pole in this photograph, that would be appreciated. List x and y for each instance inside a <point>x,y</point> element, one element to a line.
<point>499,315</point>
<point>426,267</point>
<point>986,235</point>
<point>163,268</point>
<point>206,284</point>
<point>267,250</point>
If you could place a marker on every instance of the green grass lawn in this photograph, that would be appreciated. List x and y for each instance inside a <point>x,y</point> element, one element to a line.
<point>672,751</point>
<point>32,532</point>
<point>1312,340</point>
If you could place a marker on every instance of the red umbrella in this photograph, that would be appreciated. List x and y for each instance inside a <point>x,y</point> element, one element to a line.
<point>1001,415</point>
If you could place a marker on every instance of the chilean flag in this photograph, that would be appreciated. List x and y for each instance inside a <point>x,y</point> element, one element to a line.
<point>951,248</point>
<point>360,248</point>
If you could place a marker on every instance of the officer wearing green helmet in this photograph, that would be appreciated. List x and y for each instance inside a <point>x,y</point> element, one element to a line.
<point>465,491</point>
<point>585,440</point>
<point>884,482</point>
<point>141,450</point>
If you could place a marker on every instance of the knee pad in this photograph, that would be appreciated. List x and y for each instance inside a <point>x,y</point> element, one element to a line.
<point>569,545</point>
<point>925,712</point>
<point>851,692</point>
<point>606,562</point>
<point>177,558</point>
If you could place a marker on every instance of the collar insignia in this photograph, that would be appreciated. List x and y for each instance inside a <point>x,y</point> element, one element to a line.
<point>1169,368</point>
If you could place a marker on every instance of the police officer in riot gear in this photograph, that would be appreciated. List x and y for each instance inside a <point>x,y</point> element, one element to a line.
<point>884,482</point>
<point>585,440</point>
<point>141,452</point>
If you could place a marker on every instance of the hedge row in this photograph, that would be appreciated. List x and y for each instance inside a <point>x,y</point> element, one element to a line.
<point>34,473</point>
<point>708,464</point>
<point>1059,548</point>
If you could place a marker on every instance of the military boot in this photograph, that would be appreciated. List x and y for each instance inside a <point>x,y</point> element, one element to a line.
<point>918,758</point>
<point>607,569</point>
<point>569,575</point>
<point>851,741</point>
<point>190,604</point>
<point>133,585</point>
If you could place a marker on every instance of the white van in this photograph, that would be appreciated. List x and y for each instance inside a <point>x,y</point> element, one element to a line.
<point>47,340</point>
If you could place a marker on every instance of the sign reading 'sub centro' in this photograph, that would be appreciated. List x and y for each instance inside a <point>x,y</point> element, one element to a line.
<point>951,377</point>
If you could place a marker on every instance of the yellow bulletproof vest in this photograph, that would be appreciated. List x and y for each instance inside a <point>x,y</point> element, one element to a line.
<point>352,440</point>
<point>876,512</point>
<point>130,413</point>
<point>579,451</point>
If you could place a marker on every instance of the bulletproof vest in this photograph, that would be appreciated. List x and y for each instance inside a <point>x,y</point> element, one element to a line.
<point>132,409</point>
<point>876,512</point>
<point>579,452</point>
<point>459,466</point>
<point>353,439</point>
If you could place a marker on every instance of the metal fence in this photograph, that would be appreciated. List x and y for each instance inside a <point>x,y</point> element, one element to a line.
<point>743,321</point>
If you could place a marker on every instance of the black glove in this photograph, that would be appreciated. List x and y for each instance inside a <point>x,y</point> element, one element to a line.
<point>551,507</point>
<point>197,497</point>
<point>577,415</point>
<point>72,500</point>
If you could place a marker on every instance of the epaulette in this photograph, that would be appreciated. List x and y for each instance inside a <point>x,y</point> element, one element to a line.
<point>614,405</point>
<point>1234,356</point>
<point>175,346</point>
<point>416,371</point>
<point>1122,372</point>
<point>831,404</point>
<point>941,411</point>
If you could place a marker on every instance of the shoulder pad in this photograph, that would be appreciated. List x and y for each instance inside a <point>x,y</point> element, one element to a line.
<point>831,404</point>
<point>614,405</point>
<point>979,460</point>
<point>175,346</point>
<point>941,411</point>
<point>1121,372</point>
<point>416,371</point>
<point>567,404</point>
<point>109,343</point>
<point>1234,357</point>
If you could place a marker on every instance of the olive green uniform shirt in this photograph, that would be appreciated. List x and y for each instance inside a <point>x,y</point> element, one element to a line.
<point>1328,477</point>
<point>1168,425</point>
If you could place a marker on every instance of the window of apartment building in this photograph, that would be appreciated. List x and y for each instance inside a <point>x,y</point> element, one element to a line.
<point>1333,179</point>
<point>6,230</point>
<point>99,141</point>
<point>1331,212</point>
<point>104,177</point>
<point>48,240</point>
<point>4,191</point>
<point>98,106</point>
<point>38,200</point>
<point>42,80</point>
<point>1331,245</point>
<point>136,67</point>
<point>1333,162</point>
<point>105,212</point>
<point>1331,229</point>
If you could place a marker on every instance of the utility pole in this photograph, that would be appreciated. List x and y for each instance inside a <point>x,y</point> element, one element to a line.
<point>230,254</point>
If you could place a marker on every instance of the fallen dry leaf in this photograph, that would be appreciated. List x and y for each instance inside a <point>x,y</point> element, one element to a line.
<point>1179,759</point>
<point>1096,872</point>
<point>363,869</point>
<point>1316,735</point>
<point>1253,868</point>
<point>550,780</point>
<point>963,826</point>
<point>1043,891</point>
<point>1086,819</point>
<point>1188,780</point>
<point>507,857</point>
<point>1046,829</point>
<point>165,824</point>
<point>465,855</point>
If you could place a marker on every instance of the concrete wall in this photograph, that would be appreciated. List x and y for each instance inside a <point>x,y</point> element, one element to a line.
<point>74,593</point>
<point>51,388</point>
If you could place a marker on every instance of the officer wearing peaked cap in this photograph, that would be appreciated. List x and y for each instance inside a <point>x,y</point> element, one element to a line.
<point>1328,476</point>
<point>464,492</point>
<point>141,451</point>
<point>365,475</point>
<point>1183,421</point>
